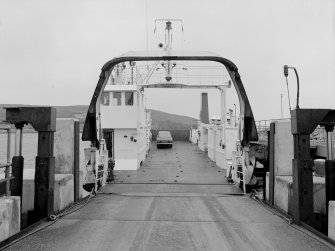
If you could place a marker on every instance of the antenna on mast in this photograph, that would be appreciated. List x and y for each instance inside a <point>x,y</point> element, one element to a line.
<point>168,65</point>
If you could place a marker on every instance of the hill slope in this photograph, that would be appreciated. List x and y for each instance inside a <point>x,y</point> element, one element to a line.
<point>167,121</point>
<point>160,120</point>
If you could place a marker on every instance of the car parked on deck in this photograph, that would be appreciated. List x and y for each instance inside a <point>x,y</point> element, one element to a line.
<point>164,138</point>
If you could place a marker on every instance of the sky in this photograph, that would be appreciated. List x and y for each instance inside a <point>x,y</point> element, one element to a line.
<point>51,52</point>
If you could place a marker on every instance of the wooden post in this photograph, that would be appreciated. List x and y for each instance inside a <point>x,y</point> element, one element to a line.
<point>76,172</point>
<point>302,124</point>
<point>44,176</point>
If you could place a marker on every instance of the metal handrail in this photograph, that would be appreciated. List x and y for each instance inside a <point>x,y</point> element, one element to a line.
<point>264,124</point>
<point>7,165</point>
<point>5,179</point>
<point>2,165</point>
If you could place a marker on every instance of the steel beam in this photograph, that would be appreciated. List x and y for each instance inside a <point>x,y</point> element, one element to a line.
<point>248,126</point>
<point>183,86</point>
<point>44,175</point>
<point>41,118</point>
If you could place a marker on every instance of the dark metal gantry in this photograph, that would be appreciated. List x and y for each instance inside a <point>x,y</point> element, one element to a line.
<point>43,120</point>
<point>303,123</point>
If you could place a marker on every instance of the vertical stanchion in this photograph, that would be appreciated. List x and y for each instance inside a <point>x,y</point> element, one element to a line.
<point>76,173</point>
<point>44,175</point>
<point>271,163</point>
<point>330,167</point>
<point>7,172</point>
<point>17,162</point>
<point>330,146</point>
<point>303,124</point>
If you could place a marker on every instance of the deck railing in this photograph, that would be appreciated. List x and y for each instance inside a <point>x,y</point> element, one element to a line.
<point>6,166</point>
<point>264,125</point>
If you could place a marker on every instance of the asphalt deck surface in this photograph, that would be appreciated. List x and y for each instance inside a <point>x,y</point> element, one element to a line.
<point>178,200</point>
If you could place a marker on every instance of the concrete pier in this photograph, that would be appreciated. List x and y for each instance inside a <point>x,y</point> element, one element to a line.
<point>331,220</point>
<point>10,216</point>
<point>64,168</point>
<point>178,200</point>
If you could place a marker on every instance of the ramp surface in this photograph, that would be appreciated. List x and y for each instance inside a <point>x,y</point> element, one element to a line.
<point>184,163</point>
<point>198,212</point>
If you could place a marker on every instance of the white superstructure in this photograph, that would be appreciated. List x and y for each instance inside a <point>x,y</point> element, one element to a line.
<point>125,125</point>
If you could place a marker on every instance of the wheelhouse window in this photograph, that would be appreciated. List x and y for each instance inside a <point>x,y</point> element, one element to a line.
<point>116,98</point>
<point>129,98</point>
<point>105,98</point>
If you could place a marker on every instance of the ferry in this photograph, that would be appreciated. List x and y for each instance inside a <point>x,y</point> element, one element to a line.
<point>118,124</point>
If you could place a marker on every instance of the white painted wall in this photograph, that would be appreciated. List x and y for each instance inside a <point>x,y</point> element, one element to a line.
<point>63,191</point>
<point>231,136</point>
<point>211,143</point>
<point>64,145</point>
<point>10,216</point>
<point>220,151</point>
<point>220,141</point>
<point>283,148</point>
<point>119,116</point>
<point>127,121</point>
<point>125,150</point>
<point>283,194</point>
<point>194,136</point>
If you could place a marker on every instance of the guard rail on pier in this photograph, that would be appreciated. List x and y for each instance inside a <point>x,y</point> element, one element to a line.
<point>6,189</point>
<point>264,125</point>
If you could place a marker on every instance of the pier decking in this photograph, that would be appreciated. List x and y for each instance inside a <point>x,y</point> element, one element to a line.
<point>177,200</point>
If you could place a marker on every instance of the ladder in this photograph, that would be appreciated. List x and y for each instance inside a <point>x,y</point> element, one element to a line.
<point>239,167</point>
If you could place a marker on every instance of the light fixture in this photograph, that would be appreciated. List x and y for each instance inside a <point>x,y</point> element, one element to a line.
<point>298,85</point>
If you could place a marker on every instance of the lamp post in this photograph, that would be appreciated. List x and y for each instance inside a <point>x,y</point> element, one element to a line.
<point>298,85</point>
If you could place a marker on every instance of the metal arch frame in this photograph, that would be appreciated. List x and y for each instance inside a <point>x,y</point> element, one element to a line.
<point>247,127</point>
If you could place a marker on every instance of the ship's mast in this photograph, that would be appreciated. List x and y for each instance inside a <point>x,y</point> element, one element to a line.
<point>168,29</point>
<point>168,48</point>
<point>168,65</point>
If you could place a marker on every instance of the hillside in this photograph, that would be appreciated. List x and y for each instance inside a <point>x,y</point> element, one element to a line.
<point>167,121</point>
<point>160,120</point>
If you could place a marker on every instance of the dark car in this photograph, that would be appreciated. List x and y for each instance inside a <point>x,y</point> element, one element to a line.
<point>164,138</point>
